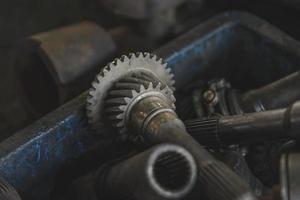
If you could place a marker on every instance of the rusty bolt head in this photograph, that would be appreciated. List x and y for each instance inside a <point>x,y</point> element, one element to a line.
<point>209,96</point>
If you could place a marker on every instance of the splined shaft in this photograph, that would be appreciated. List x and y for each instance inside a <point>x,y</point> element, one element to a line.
<point>278,94</point>
<point>247,128</point>
<point>163,172</point>
<point>152,116</point>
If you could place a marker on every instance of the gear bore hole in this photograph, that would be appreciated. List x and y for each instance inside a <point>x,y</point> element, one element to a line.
<point>172,171</point>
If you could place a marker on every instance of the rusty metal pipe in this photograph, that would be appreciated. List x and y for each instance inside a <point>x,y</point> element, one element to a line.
<point>57,65</point>
<point>278,94</point>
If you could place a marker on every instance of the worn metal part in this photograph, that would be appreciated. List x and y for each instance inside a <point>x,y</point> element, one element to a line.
<point>33,157</point>
<point>165,171</point>
<point>247,128</point>
<point>289,176</point>
<point>57,65</point>
<point>7,192</point>
<point>228,101</point>
<point>131,89</point>
<point>151,116</point>
<point>213,100</point>
<point>116,70</point>
<point>278,94</point>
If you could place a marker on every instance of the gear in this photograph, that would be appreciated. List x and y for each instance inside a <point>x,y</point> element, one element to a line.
<point>128,91</point>
<point>115,71</point>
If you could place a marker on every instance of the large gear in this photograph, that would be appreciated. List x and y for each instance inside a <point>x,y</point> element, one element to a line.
<point>115,71</point>
<point>131,89</point>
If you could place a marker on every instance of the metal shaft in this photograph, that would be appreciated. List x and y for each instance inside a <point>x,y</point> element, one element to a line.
<point>278,94</point>
<point>161,125</point>
<point>247,128</point>
<point>162,172</point>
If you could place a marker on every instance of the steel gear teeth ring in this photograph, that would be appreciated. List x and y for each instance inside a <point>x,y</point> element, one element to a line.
<point>115,71</point>
<point>128,91</point>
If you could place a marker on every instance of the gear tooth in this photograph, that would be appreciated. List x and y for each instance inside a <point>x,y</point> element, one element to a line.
<point>139,55</point>
<point>118,61</point>
<point>120,116</point>
<point>153,57</point>
<point>134,92</point>
<point>142,87</point>
<point>160,60</point>
<point>116,101</point>
<point>123,58</point>
<point>105,71</point>
<point>122,108</point>
<point>115,62</point>
<point>172,76</point>
<point>114,109</point>
<point>150,86</point>
<point>168,69</point>
<point>127,100</point>
<point>173,106</point>
<point>120,93</point>
<point>131,55</point>
<point>146,55</point>
<point>126,59</point>
<point>93,88</point>
<point>90,102</point>
<point>158,86</point>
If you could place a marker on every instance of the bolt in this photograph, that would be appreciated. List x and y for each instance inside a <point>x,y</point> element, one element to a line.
<point>209,96</point>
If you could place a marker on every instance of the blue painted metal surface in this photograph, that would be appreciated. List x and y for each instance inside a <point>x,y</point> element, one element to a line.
<point>233,45</point>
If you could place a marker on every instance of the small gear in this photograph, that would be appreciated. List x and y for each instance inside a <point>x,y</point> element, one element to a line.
<point>115,71</point>
<point>129,90</point>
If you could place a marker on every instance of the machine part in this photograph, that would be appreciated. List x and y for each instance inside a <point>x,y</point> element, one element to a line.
<point>150,115</point>
<point>8,192</point>
<point>213,100</point>
<point>278,94</point>
<point>131,89</point>
<point>116,70</point>
<point>142,9</point>
<point>31,158</point>
<point>289,176</point>
<point>163,172</point>
<point>228,101</point>
<point>57,65</point>
<point>247,128</point>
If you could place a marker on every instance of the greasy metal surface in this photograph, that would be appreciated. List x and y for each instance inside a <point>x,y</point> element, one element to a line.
<point>59,64</point>
<point>232,42</point>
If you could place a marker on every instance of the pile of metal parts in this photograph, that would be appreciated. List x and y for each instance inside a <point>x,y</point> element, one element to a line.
<point>214,114</point>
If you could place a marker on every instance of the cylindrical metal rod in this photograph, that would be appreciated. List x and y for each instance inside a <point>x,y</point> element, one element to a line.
<point>161,125</point>
<point>247,128</point>
<point>278,94</point>
<point>163,172</point>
